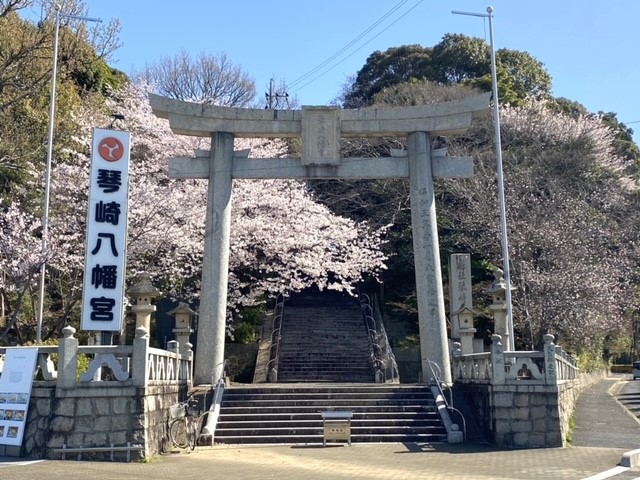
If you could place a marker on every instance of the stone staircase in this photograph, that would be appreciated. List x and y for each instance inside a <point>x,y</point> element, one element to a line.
<point>324,339</point>
<point>291,414</point>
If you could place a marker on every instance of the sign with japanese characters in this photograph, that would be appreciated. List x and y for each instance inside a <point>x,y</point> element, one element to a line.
<point>16,380</point>
<point>102,307</point>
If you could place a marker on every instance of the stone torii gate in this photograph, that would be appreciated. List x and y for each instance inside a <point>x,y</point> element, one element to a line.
<point>320,129</point>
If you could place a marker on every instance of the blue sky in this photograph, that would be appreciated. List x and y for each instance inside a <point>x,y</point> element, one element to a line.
<point>589,48</point>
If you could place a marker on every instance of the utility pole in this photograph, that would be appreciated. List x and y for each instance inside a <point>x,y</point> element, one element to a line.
<point>271,96</point>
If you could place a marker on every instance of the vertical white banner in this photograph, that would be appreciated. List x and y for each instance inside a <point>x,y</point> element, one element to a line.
<point>15,391</point>
<point>104,273</point>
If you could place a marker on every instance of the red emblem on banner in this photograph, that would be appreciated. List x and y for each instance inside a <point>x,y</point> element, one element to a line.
<point>111,149</point>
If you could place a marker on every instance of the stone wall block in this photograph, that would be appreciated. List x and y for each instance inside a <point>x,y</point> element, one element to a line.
<point>84,424</point>
<point>65,407</point>
<point>521,413</point>
<point>553,439</point>
<point>521,400</point>
<point>84,407</point>
<point>62,424</point>
<point>95,440</point>
<point>102,424</point>
<point>502,414</point>
<point>503,400</point>
<point>76,440</point>
<point>43,407</point>
<point>117,438</point>
<point>540,425</point>
<point>122,422</point>
<point>122,406</point>
<point>102,406</point>
<point>521,439</point>
<point>521,426</point>
<point>536,400</point>
<point>502,426</point>
<point>536,439</point>
<point>538,412</point>
<point>55,441</point>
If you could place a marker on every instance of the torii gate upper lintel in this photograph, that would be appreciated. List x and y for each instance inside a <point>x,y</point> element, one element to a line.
<point>321,129</point>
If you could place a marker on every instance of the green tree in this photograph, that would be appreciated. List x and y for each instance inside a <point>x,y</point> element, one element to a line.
<point>457,59</point>
<point>385,69</point>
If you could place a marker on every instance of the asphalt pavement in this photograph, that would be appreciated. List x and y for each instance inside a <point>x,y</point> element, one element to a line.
<point>605,431</point>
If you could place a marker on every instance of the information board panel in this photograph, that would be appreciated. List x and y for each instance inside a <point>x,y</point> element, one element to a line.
<point>16,381</point>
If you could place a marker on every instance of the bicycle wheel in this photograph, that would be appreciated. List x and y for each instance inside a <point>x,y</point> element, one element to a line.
<point>203,436</point>
<point>179,433</point>
<point>193,433</point>
<point>164,439</point>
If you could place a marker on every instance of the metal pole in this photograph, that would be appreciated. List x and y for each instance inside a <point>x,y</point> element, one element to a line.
<point>47,180</point>
<point>503,210</point>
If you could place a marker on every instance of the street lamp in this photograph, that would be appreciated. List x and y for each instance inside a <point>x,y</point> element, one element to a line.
<point>47,181</point>
<point>503,210</point>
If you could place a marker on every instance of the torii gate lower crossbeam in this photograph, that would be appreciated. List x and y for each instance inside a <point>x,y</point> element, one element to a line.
<point>320,129</point>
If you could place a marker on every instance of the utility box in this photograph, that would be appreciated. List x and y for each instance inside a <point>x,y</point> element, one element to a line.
<point>337,426</point>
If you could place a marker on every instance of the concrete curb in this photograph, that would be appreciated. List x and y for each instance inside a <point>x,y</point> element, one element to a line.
<point>630,459</point>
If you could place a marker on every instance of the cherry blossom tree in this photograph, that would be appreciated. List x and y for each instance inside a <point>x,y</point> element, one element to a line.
<point>282,239</point>
<point>568,200</point>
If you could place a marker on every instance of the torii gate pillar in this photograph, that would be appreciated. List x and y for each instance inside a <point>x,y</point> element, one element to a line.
<point>432,320</point>
<point>320,129</point>
<point>209,361</point>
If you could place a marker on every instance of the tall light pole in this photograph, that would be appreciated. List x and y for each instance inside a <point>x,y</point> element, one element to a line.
<point>503,210</point>
<point>47,180</point>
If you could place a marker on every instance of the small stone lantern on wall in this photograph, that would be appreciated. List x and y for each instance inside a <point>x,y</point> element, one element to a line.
<point>183,315</point>
<point>499,306</point>
<point>464,318</point>
<point>143,293</point>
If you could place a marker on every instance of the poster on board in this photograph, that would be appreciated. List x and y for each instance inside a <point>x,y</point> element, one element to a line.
<point>16,380</point>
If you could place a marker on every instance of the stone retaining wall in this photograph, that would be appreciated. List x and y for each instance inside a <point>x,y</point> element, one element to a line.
<point>95,417</point>
<point>525,416</point>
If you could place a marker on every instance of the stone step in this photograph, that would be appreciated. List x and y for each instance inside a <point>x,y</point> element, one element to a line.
<point>256,439</point>
<point>293,413</point>
<point>367,418</point>
<point>299,396</point>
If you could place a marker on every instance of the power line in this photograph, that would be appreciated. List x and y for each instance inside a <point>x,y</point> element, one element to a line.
<point>350,44</point>
<point>359,48</point>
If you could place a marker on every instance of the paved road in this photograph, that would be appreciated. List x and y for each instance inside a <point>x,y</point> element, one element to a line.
<point>605,430</point>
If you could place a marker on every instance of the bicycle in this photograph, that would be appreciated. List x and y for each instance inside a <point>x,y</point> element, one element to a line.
<point>182,425</point>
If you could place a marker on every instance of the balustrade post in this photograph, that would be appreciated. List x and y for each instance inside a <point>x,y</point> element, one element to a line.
<point>139,360</point>
<point>188,352</point>
<point>497,360</point>
<point>550,369</point>
<point>173,346</point>
<point>456,364</point>
<point>68,358</point>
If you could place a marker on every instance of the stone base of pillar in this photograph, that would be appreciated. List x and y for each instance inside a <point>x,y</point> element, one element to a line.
<point>466,340</point>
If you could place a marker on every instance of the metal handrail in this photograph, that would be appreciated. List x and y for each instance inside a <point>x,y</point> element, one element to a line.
<point>437,382</point>
<point>276,337</point>
<point>382,355</point>
<point>214,409</point>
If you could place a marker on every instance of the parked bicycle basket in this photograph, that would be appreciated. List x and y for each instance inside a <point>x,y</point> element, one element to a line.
<point>176,411</point>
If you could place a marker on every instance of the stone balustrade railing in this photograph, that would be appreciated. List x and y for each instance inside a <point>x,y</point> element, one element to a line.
<point>137,365</point>
<point>499,367</point>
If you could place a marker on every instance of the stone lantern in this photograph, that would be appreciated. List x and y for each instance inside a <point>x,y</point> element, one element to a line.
<point>464,323</point>
<point>143,293</point>
<point>499,305</point>
<point>183,315</point>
